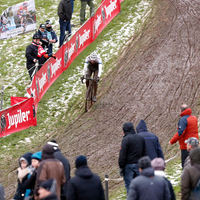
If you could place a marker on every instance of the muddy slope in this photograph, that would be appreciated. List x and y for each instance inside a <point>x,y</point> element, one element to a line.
<point>159,70</point>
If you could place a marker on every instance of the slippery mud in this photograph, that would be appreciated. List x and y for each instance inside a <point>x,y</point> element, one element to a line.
<point>158,72</point>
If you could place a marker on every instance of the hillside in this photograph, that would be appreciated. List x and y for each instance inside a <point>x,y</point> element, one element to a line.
<point>156,71</point>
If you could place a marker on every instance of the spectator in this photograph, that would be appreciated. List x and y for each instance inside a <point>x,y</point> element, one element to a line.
<point>158,165</point>
<point>191,144</point>
<point>22,174</point>
<point>148,186</point>
<point>190,176</point>
<point>43,37</point>
<point>187,127</point>
<point>153,147</point>
<point>83,7</point>
<point>2,192</point>
<point>65,14</point>
<point>58,155</point>
<point>132,149</point>
<point>85,185</point>
<point>34,52</point>
<point>29,184</point>
<point>50,168</point>
<point>47,190</point>
<point>51,36</point>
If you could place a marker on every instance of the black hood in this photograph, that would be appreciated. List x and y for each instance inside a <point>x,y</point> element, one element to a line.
<point>149,172</point>
<point>26,157</point>
<point>84,172</point>
<point>128,128</point>
<point>195,156</point>
<point>141,127</point>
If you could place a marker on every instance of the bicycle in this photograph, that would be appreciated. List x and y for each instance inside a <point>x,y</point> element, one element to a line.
<point>89,94</point>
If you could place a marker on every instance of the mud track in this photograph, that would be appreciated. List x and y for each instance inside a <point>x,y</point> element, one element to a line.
<point>158,71</point>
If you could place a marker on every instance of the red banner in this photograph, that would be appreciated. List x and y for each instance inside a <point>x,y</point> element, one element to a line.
<point>104,14</point>
<point>17,118</point>
<point>15,100</point>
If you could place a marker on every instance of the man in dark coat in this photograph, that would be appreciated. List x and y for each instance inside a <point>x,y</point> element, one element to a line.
<point>147,186</point>
<point>58,155</point>
<point>34,52</point>
<point>191,176</point>
<point>85,185</point>
<point>50,168</point>
<point>153,147</point>
<point>65,14</point>
<point>158,165</point>
<point>132,149</point>
<point>47,190</point>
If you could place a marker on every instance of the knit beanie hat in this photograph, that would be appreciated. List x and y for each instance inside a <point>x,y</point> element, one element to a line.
<point>144,162</point>
<point>49,185</point>
<point>37,156</point>
<point>26,157</point>
<point>54,144</point>
<point>158,164</point>
<point>80,161</point>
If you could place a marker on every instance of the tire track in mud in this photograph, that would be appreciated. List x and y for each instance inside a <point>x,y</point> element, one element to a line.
<point>159,71</point>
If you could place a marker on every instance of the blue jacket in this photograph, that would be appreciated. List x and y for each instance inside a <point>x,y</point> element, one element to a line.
<point>53,36</point>
<point>153,147</point>
<point>147,186</point>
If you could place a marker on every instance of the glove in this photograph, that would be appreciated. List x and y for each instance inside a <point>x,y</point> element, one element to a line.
<point>82,77</point>
<point>53,56</point>
<point>46,55</point>
<point>121,171</point>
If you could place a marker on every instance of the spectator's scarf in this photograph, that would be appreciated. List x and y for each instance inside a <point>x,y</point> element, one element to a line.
<point>41,51</point>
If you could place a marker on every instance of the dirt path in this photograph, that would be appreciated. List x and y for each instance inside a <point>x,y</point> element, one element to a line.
<point>159,71</point>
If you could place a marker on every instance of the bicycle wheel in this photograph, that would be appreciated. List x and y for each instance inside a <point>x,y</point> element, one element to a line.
<point>29,21</point>
<point>88,98</point>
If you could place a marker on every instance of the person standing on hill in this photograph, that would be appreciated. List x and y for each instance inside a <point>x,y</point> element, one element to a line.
<point>85,185</point>
<point>65,14</point>
<point>83,7</point>
<point>132,149</point>
<point>153,147</point>
<point>58,155</point>
<point>187,127</point>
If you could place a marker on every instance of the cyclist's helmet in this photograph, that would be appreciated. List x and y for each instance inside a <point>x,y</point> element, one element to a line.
<point>25,4</point>
<point>36,36</point>
<point>93,56</point>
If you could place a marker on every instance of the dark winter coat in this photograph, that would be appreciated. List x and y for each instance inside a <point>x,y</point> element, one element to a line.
<point>50,168</point>
<point>31,54</point>
<point>187,127</point>
<point>132,146</point>
<point>191,175</point>
<point>65,10</point>
<point>51,197</point>
<point>20,192</point>
<point>153,147</point>
<point>45,43</point>
<point>58,155</point>
<point>85,186</point>
<point>147,186</point>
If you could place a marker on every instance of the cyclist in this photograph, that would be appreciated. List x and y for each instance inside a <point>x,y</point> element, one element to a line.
<point>22,11</point>
<point>93,64</point>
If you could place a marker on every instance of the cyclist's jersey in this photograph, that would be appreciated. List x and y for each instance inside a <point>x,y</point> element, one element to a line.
<point>96,66</point>
<point>22,10</point>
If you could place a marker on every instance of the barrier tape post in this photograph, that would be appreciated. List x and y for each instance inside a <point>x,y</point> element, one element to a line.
<point>2,90</point>
<point>106,186</point>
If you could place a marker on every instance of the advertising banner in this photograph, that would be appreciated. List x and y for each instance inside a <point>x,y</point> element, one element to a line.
<point>17,118</point>
<point>46,76</point>
<point>104,14</point>
<point>15,100</point>
<point>18,19</point>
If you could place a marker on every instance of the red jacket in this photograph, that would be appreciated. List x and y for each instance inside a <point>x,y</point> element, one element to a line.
<point>187,127</point>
